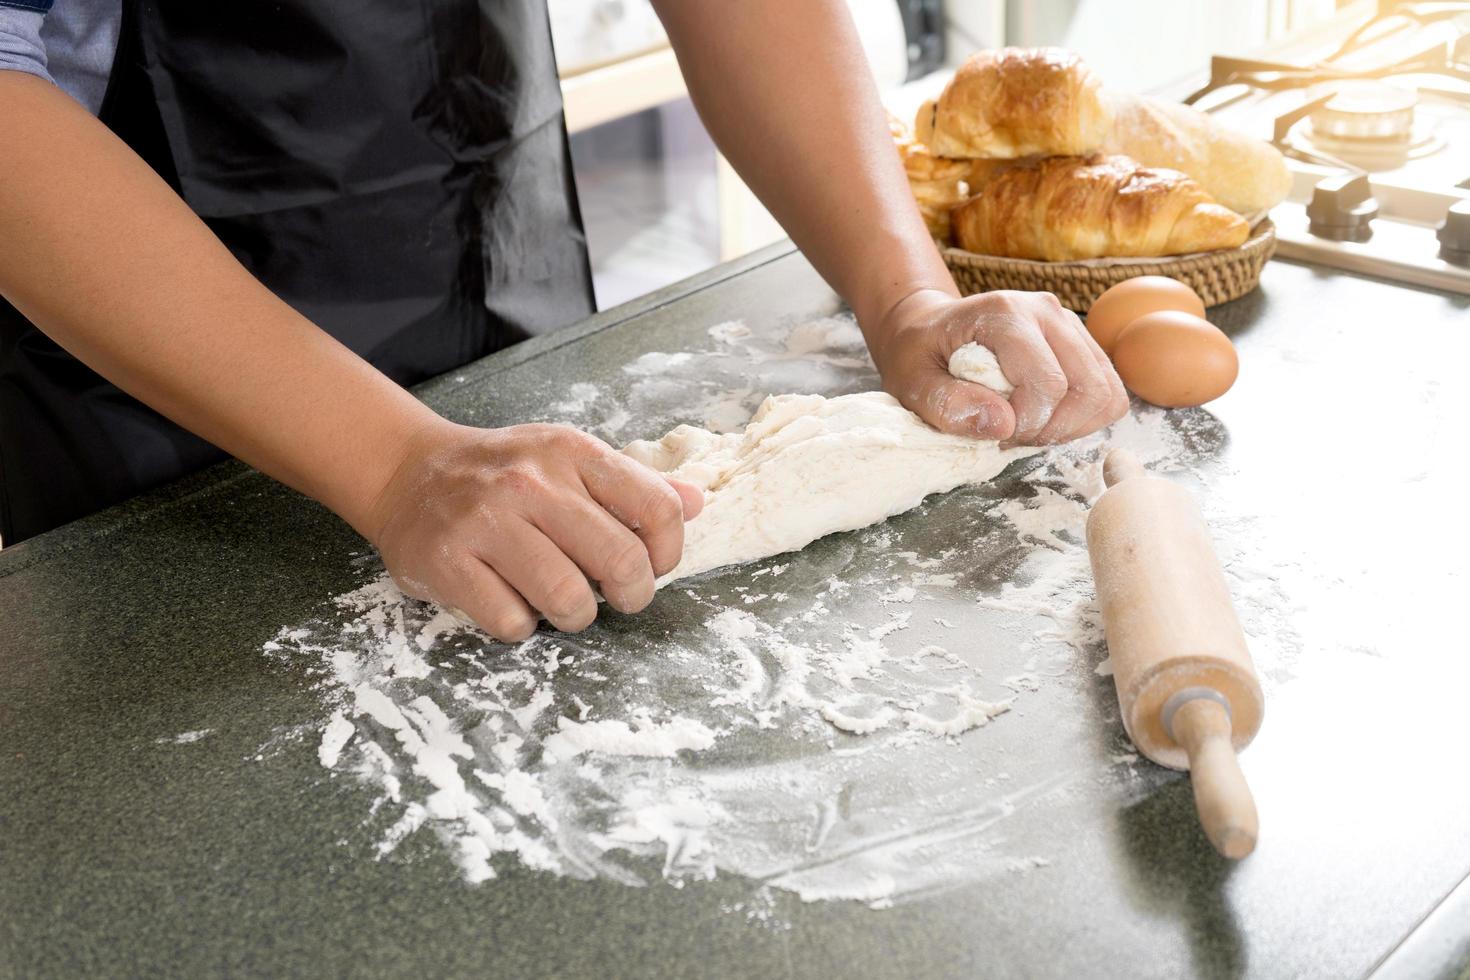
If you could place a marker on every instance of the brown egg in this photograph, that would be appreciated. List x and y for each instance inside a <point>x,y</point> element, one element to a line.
<point>1175,359</point>
<point>1131,299</point>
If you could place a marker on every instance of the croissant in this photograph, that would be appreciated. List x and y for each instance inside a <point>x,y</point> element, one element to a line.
<point>938,184</point>
<point>1017,102</point>
<point>1066,208</point>
<point>1245,174</point>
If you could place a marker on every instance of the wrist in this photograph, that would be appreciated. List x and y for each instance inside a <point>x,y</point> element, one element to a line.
<point>908,308</point>
<point>366,502</point>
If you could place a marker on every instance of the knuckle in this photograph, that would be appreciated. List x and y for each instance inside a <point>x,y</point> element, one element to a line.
<point>568,598</point>
<point>627,561</point>
<point>939,400</point>
<point>1119,407</point>
<point>521,480</point>
<point>462,567</point>
<point>630,600</point>
<point>1096,397</point>
<point>576,441</point>
<point>1008,300</point>
<point>543,431</point>
<point>1052,386</point>
<point>510,625</point>
<point>562,439</point>
<point>661,506</point>
<point>664,564</point>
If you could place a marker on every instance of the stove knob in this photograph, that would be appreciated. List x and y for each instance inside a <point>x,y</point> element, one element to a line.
<point>1454,234</point>
<point>1343,209</point>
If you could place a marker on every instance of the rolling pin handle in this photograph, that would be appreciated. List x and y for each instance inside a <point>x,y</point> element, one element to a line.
<point>1120,465</point>
<point>1226,809</point>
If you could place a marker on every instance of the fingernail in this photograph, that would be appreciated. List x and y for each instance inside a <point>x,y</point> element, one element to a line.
<point>982,418</point>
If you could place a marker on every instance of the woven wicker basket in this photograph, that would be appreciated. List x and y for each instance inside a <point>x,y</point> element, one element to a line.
<point>1217,276</point>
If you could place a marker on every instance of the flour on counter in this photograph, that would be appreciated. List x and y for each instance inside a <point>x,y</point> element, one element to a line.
<point>586,769</point>
<point>729,332</point>
<point>628,752</point>
<point>185,738</point>
<point>591,408</point>
<point>335,736</point>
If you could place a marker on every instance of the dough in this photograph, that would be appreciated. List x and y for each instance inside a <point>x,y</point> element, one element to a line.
<point>808,466</point>
<point>975,363</point>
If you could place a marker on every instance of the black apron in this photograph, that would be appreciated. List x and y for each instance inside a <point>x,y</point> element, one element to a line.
<point>396,170</point>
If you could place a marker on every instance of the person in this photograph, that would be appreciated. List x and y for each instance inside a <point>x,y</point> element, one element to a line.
<point>242,228</point>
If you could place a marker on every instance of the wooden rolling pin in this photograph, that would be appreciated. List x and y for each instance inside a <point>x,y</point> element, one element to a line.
<point>1188,691</point>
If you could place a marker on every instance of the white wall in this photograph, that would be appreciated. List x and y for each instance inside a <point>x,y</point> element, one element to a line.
<point>1143,44</point>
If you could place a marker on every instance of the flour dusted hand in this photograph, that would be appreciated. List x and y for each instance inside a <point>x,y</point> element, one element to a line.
<point>1052,383</point>
<point>510,525</point>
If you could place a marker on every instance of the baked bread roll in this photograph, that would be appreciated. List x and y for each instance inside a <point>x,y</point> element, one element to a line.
<point>1246,175</point>
<point>1016,102</point>
<point>1066,208</point>
<point>938,184</point>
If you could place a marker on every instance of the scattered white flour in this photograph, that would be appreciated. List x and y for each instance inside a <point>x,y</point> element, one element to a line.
<point>1023,682</point>
<point>657,362</point>
<point>1043,518</point>
<point>335,736</point>
<point>591,408</point>
<point>1027,863</point>
<point>726,411</point>
<point>586,770</point>
<point>729,332</point>
<point>643,737</point>
<point>834,339</point>
<point>580,397</point>
<point>812,742</point>
<point>968,713</point>
<point>184,738</point>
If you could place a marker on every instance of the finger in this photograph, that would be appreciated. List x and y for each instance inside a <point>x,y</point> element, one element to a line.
<point>963,407</point>
<point>537,569</point>
<point>1031,365</point>
<point>1114,404</point>
<point>1109,411</point>
<point>642,500</point>
<point>1088,390</point>
<point>480,593</point>
<point>607,552</point>
<point>1117,403</point>
<point>690,496</point>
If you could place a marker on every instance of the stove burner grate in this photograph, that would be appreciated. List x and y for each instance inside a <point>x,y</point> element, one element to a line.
<point>1449,59</point>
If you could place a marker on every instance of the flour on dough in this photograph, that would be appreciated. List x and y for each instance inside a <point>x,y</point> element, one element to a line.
<point>975,363</point>
<point>808,466</point>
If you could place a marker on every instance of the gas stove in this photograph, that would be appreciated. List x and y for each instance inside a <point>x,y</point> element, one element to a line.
<point>1373,115</point>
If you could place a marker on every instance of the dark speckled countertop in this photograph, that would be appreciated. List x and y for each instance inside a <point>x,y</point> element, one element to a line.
<point>125,851</point>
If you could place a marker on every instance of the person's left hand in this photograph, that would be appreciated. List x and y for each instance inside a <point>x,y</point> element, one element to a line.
<point>1065,385</point>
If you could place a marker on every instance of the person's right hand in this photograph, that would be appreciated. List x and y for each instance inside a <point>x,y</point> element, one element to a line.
<point>516,524</point>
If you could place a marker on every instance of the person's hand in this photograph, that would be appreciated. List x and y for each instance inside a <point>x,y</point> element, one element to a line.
<point>1065,385</point>
<point>511,525</point>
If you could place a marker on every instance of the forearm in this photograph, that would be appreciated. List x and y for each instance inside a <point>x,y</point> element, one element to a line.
<point>786,92</point>
<point>101,255</point>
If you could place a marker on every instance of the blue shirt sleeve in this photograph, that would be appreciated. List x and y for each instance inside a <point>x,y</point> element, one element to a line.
<point>20,36</point>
